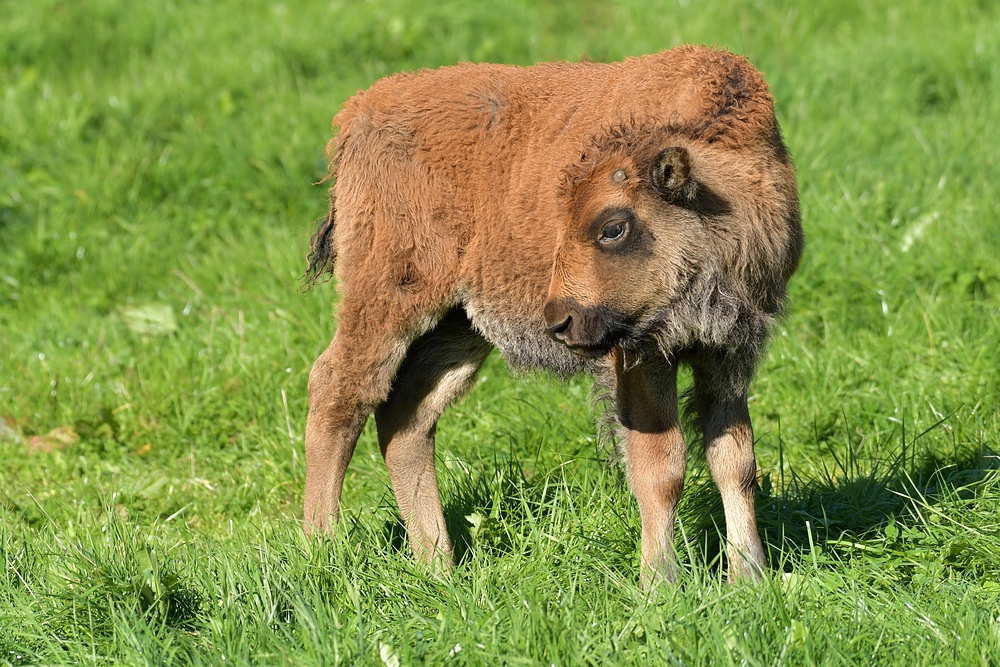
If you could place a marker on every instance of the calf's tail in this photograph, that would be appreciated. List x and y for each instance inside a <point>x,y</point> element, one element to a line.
<point>322,252</point>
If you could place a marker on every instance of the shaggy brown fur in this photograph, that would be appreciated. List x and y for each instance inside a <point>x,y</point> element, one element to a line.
<point>620,218</point>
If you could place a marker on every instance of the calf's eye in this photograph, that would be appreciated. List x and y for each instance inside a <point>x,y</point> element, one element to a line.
<point>613,231</point>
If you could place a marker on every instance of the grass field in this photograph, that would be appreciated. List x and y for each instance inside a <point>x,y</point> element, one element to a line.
<point>158,169</point>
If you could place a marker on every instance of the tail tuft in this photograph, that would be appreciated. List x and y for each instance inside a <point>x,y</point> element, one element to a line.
<point>322,253</point>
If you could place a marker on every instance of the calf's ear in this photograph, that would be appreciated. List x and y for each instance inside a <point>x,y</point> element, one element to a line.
<point>671,175</point>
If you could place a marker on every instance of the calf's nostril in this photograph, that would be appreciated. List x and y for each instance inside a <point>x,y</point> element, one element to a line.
<point>557,331</point>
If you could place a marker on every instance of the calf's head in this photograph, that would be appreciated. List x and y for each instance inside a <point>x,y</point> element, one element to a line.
<point>630,243</point>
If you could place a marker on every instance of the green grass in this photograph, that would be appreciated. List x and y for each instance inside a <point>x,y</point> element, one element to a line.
<point>162,158</point>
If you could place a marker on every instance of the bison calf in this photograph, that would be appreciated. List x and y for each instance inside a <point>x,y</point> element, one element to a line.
<point>616,218</point>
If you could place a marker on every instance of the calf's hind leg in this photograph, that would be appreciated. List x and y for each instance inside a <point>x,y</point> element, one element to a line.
<point>348,380</point>
<point>439,366</point>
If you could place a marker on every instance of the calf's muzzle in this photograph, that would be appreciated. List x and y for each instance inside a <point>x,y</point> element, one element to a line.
<point>586,331</point>
<point>557,331</point>
<point>558,320</point>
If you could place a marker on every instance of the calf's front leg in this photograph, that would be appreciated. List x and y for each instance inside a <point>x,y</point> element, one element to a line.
<point>655,454</point>
<point>725,421</point>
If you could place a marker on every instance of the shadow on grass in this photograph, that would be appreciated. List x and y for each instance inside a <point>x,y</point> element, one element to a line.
<point>873,505</point>
<point>870,506</point>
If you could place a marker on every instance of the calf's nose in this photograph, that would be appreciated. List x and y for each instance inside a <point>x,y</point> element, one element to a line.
<point>558,317</point>
<point>557,331</point>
